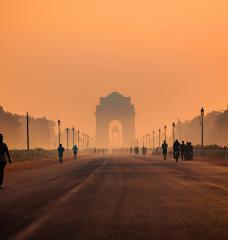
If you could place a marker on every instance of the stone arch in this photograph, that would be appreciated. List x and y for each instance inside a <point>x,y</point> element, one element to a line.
<point>115,107</point>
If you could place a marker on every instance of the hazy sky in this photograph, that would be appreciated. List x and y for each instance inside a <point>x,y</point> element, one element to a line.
<point>58,58</point>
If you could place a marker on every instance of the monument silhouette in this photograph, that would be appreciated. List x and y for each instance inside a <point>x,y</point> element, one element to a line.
<point>115,107</point>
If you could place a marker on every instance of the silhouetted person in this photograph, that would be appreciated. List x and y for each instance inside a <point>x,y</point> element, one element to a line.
<point>131,149</point>
<point>75,151</point>
<point>164,149</point>
<point>136,150</point>
<point>176,150</point>
<point>190,151</point>
<point>144,150</point>
<point>183,150</point>
<point>4,152</point>
<point>61,150</point>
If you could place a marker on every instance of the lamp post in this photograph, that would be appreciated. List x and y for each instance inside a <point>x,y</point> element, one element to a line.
<point>59,130</point>
<point>165,131</point>
<point>148,140</point>
<point>78,138</point>
<point>27,130</point>
<point>202,126</point>
<point>67,135</point>
<point>73,133</point>
<point>174,131</point>
<point>86,137</point>
<point>159,137</point>
<point>82,140</point>
<point>143,141</point>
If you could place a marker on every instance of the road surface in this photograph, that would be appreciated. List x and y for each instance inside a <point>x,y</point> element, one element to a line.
<point>115,197</point>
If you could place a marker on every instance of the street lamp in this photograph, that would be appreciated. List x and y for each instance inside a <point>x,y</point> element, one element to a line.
<point>174,131</point>
<point>59,122</point>
<point>165,131</point>
<point>67,133</point>
<point>202,126</point>
<point>159,137</point>
<point>27,130</point>
<point>78,138</point>
<point>73,133</point>
<point>149,140</point>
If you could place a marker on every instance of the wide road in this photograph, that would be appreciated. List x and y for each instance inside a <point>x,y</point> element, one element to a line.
<point>115,197</point>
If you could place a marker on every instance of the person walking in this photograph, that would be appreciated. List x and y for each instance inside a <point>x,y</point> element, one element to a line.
<point>60,151</point>
<point>164,149</point>
<point>191,150</point>
<point>183,150</point>
<point>176,150</point>
<point>75,151</point>
<point>4,152</point>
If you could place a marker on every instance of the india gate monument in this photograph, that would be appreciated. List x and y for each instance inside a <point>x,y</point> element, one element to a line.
<point>115,121</point>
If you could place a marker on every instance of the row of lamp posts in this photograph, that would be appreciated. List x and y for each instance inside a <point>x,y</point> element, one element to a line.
<point>146,138</point>
<point>84,142</point>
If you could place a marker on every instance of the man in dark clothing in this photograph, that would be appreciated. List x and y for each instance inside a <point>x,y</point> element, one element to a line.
<point>61,150</point>
<point>75,151</point>
<point>164,149</point>
<point>176,150</point>
<point>191,150</point>
<point>183,150</point>
<point>3,153</point>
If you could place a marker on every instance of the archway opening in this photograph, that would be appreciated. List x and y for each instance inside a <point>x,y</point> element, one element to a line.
<point>115,134</point>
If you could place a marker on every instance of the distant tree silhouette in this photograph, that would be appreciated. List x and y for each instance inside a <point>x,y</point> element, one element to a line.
<point>13,127</point>
<point>10,128</point>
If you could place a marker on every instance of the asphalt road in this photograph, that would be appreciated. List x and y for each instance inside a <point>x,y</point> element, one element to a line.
<point>115,197</point>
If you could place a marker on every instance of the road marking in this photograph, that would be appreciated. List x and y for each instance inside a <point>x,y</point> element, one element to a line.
<point>50,209</point>
<point>217,186</point>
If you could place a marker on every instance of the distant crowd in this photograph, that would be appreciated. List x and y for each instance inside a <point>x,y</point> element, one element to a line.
<point>180,150</point>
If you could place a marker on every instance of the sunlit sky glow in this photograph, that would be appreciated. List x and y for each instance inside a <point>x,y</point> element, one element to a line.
<point>59,57</point>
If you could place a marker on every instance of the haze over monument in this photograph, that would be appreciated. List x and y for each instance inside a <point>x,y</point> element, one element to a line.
<point>169,57</point>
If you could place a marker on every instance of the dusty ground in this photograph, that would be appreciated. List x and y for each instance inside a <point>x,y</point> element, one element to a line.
<point>115,197</point>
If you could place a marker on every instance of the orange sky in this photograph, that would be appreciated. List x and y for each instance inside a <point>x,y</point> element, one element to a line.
<point>59,57</point>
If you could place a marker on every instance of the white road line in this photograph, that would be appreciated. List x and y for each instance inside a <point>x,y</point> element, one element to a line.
<point>50,209</point>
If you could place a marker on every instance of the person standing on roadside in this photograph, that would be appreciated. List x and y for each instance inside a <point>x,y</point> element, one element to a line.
<point>75,151</point>
<point>4,152</point>
<point>164,149</point>
<point>60,151</point>
<point>176,150</point>
<point>183,150</point>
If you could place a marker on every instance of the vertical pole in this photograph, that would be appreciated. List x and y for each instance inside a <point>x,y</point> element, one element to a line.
<point>149,139</point>
<point>59,130</point>
<point>202,127</point>
<point>202,132</point>
<point>85,140</point>
<point>67,132</point>
<point>27,130</point>
<point>73,132</point>
<point>159,137</point>
<point>165,131</point>
<point>173,131</point>
<point>78,138</point>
